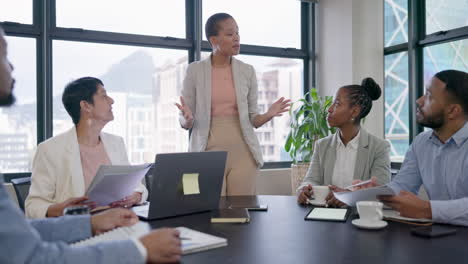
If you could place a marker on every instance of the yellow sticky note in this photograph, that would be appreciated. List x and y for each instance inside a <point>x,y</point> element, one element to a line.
<point>190,183</point>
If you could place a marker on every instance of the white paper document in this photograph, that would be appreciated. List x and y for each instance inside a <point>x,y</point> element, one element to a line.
<point>369,194</point>
<point>114,182</point>
<point>195,241</point>
<point>392,214</point>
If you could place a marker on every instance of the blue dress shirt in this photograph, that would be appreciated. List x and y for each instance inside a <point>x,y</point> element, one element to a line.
<point>46,240</point>
<point>443,170</point>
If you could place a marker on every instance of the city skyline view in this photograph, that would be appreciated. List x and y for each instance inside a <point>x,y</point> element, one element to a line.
<point>144,90</point>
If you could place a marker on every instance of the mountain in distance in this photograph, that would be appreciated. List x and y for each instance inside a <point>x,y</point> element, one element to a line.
<point>133,74</point>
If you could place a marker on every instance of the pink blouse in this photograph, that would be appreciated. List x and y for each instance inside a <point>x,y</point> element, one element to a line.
<point>91,159</point>
<point>223,93</point>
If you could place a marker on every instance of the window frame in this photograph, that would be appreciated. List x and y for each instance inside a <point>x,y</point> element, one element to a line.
<point>45,30</point>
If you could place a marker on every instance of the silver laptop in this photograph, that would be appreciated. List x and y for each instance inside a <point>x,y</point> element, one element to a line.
<point>184,183</point>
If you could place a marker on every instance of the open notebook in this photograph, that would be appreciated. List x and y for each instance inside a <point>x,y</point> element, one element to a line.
<point>192,241</point>
<point>122,233</point>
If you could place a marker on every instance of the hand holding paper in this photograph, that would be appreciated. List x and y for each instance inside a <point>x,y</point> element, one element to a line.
<point>128,201</point>
<point>113,183</point>
<point>409,205</point>
<point>369,194</point>
<point>331,199</point>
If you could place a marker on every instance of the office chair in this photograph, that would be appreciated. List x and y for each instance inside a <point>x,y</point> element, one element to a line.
<point>21,186</point>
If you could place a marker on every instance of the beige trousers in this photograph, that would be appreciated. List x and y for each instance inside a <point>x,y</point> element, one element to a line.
<point>241,169</point>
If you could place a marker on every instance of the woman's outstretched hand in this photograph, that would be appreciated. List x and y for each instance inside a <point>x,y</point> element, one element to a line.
<point>185,109</point>
<point>279,107</point>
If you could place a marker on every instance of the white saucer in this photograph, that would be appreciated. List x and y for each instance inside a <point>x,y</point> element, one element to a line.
<point>316,203</point>
<point>369,224</point>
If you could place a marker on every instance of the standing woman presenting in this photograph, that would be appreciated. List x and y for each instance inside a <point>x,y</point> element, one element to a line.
<point>219,104</point>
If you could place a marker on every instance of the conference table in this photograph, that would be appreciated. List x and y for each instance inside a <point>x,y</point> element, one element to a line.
<point>281,235</point>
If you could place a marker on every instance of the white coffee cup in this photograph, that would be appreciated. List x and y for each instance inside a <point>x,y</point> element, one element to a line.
<point>370,211</point>
<point>320,193</point>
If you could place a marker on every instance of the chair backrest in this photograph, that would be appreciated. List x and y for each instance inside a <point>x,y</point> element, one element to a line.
<point>11,192</point>
<point>394,169</point>
<point>21,186</point>
<point>149,180</point>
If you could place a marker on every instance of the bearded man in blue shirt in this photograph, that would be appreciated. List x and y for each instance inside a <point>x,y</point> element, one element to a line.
<point>437,158</point>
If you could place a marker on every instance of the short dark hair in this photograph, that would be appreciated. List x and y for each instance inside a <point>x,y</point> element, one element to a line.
<point>456,83</point>
<point>76,91</point>
<point>363,95</point>
<point>212,24</point>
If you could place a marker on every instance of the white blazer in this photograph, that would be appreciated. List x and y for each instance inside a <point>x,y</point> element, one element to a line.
<point>57,173</point>
<point>197,95</point>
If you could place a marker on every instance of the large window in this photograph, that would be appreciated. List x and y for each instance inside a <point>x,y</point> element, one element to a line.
<point>452,55</point>
<point>17,11</point>
<point>396,104</point>
<point>146,17</point>
<point>396,22</point>
<point>276,77</point>
<point>437,41</point>
<point>144,83</point>
<point>396,79</point>
<point>259,23</point>
<point>442,15</point>
<point>141,51</point>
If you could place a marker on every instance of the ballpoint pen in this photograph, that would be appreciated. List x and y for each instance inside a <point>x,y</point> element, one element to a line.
<point>358,184</point>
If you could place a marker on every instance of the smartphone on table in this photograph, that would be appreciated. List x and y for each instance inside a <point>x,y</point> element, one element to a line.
<point>433,231</point>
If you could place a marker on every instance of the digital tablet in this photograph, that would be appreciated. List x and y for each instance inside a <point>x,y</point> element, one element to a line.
<point>328,214</point>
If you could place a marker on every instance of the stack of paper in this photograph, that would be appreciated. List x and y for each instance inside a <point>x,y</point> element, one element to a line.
<point>392,214</point>
<point>114,182</point>
<point>195,241</point>
<point>369,194</point>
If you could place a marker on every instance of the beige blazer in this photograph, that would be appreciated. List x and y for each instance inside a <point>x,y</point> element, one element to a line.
<point>57,173</point>
<point>197,95</point>
<point>373,159</point>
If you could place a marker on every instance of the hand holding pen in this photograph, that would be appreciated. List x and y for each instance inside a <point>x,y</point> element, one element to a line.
<point>358,184</point>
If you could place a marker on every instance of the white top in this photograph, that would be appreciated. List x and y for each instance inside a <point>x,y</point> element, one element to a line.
<point>345,161</point>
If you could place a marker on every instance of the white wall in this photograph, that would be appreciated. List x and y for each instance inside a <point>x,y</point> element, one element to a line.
<point>368,58</point>
<point>349,48</point>
<point>334,45</point>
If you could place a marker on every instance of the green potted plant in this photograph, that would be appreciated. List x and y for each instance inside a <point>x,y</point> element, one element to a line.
<point>308,124</point>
